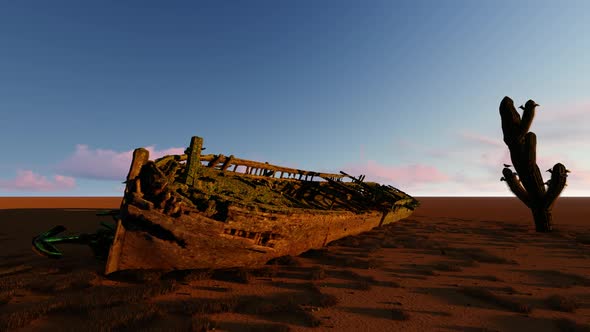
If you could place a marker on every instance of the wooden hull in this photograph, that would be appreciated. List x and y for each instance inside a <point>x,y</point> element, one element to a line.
<point>152,240</point>
<point>178,216</point>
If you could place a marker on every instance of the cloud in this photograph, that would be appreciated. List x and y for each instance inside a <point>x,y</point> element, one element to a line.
<point>101,164</point>
<point>477,161</point>
<point>473,160</point>
<point>565,124</point>
<point>27,180</point>
<point>473,151</point>
<point>400,175</point>
<point>489,156</point>
<point>471,148</point>
<point>572,112</point>
<point>488,183</point>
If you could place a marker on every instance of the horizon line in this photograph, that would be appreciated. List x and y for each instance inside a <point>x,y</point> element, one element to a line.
<point>424,196</point>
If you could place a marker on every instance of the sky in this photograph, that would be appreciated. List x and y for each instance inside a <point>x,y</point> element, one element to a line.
<point>404,92</point>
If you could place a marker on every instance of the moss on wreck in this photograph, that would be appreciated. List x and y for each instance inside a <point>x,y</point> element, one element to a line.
<point>163,184</point>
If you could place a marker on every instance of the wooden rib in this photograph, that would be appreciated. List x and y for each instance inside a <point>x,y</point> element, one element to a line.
<point>288,171</point>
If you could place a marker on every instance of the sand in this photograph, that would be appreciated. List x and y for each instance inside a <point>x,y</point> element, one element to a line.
<point>458,264</point>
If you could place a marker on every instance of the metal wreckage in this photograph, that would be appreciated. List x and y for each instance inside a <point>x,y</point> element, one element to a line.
<point>196,211</point>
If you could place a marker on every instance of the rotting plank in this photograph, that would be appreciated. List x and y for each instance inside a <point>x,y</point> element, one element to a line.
<point>193,160</point>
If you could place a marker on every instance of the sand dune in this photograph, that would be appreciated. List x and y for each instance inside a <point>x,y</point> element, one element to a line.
<point>458,264</point>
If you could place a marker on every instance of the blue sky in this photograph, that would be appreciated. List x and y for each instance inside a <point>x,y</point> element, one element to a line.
<point>406,92</point>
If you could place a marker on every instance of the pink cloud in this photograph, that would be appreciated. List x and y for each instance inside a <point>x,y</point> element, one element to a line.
<point>486,157</point>
<point>488,151</point>
<point>105,164</point>
<point>26,180</point>
<point>408,174</point>
<point>578,180</point>
<point>565,112</point>
<point>492,154</point>
<point>563,124</point>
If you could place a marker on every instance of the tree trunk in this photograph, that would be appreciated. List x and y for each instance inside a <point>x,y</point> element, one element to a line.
<point>543,219</point>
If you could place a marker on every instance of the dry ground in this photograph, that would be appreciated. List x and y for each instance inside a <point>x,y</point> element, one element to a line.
<point>458,264</point>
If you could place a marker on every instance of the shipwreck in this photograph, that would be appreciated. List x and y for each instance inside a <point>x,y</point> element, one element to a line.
<point>206,211</point>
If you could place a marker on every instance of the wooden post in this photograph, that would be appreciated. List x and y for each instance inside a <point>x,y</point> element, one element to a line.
<point>235,166</point>
<point>215,160</point>
<point>140,157</point>
<point>227,162</point>
<point>193,160</point>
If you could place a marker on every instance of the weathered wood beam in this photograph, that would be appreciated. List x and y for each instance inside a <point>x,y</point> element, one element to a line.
<point>252,167</point>
<point>140,157</point>
<point>193,160</point>
<point>216,160</point>
<point>227,162</point>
